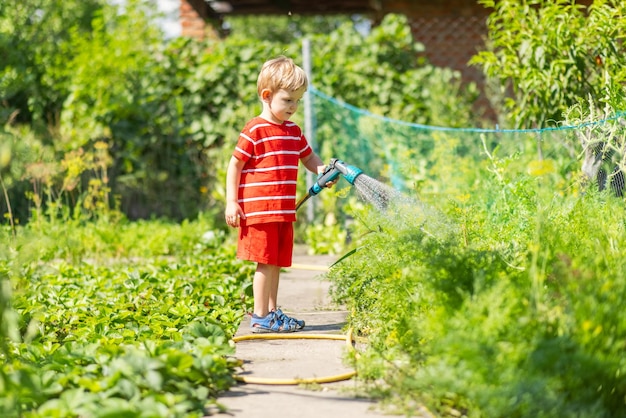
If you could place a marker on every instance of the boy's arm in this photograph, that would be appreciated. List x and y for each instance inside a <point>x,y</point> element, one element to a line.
<point>313,163</point>
<point>233,175</point>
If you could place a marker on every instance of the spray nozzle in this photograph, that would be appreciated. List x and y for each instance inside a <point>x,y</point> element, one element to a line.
<point>349,172</point>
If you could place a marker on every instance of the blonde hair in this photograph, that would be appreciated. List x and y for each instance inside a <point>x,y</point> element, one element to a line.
<point>281,73</point>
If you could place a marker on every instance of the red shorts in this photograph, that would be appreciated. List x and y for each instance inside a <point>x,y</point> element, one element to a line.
<point>268,243</point>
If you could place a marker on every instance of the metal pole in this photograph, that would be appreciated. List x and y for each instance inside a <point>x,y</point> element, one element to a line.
<point>308,121</point>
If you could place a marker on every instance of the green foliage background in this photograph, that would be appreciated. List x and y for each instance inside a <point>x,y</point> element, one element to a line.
<point>546,56</point>
<point>169,113</point>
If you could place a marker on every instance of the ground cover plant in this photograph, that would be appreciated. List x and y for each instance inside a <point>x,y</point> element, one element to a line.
<point>111,320</point>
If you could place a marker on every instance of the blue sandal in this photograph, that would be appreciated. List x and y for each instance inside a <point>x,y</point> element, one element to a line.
<point>270,323</point>
<point>296,323</point>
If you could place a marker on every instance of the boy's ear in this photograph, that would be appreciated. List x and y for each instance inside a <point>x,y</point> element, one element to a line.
<point>266,95</point>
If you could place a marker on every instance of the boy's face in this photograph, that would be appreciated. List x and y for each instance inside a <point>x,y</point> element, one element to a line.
<point>282,104</point>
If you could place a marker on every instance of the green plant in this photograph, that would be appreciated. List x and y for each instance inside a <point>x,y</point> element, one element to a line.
<point>125,319</point>
<point>5,159</point>
<point>325,239</point>
<point>549,55</point>
<point>33,44</point>
<point>490,289</point>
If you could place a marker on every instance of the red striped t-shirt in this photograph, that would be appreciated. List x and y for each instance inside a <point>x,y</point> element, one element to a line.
<point>267,187</point>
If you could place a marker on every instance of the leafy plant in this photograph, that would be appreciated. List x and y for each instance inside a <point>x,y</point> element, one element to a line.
<point>550,55</point>
<point>118,320</point>
<point>33,47</point>
<point>493,293</point>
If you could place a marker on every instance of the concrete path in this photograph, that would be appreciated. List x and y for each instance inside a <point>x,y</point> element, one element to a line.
<point>303,293</point>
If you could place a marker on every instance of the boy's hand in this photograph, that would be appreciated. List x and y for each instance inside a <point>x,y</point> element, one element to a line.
<point>233,214</point>
<point>320,170</point>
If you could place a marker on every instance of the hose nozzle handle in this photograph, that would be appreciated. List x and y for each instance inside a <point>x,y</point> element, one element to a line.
<point>329,174</point>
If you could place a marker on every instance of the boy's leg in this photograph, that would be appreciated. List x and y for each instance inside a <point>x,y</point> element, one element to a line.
<point>265,288</point>
<point>283,255</point>
<point>273,300</point>
<point>271,246</point>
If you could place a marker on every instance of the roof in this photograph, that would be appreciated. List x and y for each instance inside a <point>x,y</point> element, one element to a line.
<point>217,8</point>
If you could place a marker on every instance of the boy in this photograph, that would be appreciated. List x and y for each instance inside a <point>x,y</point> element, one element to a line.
<point>261,188</point>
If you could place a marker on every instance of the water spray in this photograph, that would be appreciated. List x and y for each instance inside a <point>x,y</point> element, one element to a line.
<point>331,173</point>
